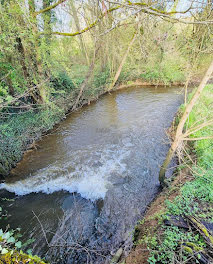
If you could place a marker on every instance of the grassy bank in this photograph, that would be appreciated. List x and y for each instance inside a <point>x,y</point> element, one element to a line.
<point>160,238</point>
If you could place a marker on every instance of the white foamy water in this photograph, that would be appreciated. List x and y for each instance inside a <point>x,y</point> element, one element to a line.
<point>92,188</point>
<point>82,174</point>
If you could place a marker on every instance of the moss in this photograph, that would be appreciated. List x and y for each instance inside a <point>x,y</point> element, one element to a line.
<point>203,229</point>
<point>19,257</point>
<point>188,249</point>
<point>194,246</point>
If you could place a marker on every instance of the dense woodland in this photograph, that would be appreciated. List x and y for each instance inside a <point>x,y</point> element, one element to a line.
<point>56,56</point>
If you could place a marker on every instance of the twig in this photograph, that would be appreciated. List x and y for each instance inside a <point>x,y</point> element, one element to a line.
<point>45,236</point>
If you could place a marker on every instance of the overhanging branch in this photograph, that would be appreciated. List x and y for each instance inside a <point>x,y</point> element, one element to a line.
<point>85,29</point>
<point>48,8</point>
<point>147,9</point>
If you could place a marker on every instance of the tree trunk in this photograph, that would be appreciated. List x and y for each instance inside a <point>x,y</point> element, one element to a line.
<point>180,127</point>
<point>78,28</point>
<point>88,76</point>
<point>21,51</point>
<point>39,94</point>
<point>47,25</point>
<point>122,63</point>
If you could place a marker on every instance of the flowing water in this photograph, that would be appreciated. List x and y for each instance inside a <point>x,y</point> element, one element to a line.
<point>80,193</point>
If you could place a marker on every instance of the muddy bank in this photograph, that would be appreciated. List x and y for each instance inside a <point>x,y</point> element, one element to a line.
<point>150,224</point>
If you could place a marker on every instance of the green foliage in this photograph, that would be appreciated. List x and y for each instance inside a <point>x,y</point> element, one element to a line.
<point>148,240</point>
<point>62,82</point>
<point>101,78</point>
<point>12,246</point>
<point>15,256</point>
<point>18,131</point>
<point>192,194</point>
<point>202,112</point>
<point>3,91</point>
<point>168,72</point>
<point>78,73</point>
<point>9,240</point>
<point>165,251</point>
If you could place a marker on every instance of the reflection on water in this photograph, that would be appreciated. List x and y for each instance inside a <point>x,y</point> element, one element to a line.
<point>90,180</point>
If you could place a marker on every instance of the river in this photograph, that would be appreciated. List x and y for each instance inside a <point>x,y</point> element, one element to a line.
<point>81,192</point>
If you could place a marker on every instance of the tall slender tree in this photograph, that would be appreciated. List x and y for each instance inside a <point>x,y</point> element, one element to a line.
<point>78,28</point>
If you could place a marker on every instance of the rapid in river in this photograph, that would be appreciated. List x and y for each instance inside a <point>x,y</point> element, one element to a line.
<point>81,192</point>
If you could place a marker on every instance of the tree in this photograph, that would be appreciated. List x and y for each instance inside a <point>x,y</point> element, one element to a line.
<point>77,25</point>
<point>47,24</point>
<point>122,62</point>
<point>180,128</point>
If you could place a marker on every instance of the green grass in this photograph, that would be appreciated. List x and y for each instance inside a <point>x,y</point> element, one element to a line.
<point>203,110</point>
<point>196,196</point>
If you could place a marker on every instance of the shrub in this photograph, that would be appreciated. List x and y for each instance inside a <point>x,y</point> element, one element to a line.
<point>62,82</point>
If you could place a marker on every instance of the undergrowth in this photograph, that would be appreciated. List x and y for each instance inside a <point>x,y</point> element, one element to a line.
<point>22,129</point>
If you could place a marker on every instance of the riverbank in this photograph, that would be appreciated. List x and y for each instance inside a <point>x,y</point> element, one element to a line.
<point>21,130</point>
<point>177,227</point>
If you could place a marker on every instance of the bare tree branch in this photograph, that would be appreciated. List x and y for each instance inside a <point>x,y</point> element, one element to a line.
<point>199,138</point>
<point>145,9</point>
<point>48,8</point>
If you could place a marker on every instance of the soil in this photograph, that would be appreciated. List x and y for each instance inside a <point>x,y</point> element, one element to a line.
<point>140,253</point>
